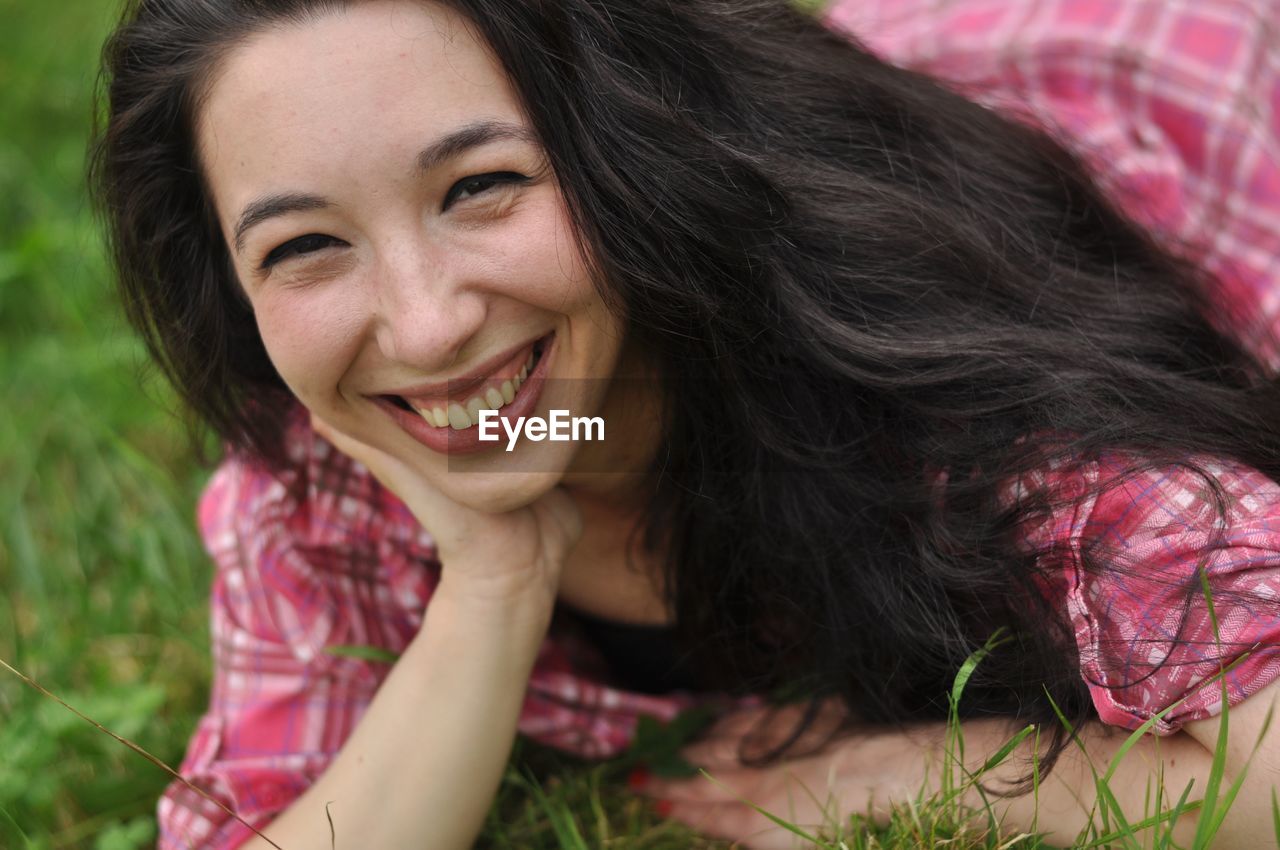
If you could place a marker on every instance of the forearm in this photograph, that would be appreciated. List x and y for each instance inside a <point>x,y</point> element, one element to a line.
<point>422,767</point>
<point>1065,798</point>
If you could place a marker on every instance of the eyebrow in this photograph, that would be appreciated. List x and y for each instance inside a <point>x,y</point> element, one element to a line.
<point>470,136</point>
<point>432,156</point>
<point>271,206</point>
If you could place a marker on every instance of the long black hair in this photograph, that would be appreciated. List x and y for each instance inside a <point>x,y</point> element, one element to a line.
<point>871,301</point>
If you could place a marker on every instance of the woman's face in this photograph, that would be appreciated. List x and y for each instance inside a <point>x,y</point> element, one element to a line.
<point>398,234</point>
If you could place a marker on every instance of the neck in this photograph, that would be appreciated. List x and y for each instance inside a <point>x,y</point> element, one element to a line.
<point>615,472</point>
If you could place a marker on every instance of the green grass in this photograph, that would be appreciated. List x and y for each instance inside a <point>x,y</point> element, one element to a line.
<point>581,807</point>
<point>104,578</point>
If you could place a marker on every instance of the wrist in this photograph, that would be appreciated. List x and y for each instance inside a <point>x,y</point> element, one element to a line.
<point>1062,802</point>
<point>495,602</point>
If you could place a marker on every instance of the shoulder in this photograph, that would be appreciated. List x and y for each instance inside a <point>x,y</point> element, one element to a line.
<point>1168,571</point>
<point>1167,104</point>
<point>1155,511</point>
<point>968,39</point>
<point>1160,99</point>
<point>1122,498</point>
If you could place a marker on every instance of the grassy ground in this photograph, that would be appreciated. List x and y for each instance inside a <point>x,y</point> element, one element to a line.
<point>104,578</point>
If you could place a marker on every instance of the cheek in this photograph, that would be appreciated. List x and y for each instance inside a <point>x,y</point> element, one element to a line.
<point>311,338</point>
<point>548,264</point>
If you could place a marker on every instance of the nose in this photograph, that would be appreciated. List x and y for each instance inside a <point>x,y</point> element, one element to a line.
<point>425,312</point>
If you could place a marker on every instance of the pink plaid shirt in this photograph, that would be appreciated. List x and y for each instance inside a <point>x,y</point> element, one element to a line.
<point>1176,106</point>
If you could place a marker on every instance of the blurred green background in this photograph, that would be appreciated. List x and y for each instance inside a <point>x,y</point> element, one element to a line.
<point>104,578</point>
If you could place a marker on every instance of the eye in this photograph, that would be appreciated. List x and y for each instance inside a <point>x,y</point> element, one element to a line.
<point>308,244</point>
<point>478,184</point>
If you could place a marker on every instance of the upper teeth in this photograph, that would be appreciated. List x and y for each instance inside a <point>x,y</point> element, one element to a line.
<point>490,397</point>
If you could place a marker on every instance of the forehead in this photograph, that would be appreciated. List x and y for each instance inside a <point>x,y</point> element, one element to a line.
<point>374,81</point>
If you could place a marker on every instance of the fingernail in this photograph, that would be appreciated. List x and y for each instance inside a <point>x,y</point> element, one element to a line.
<point>663,808</point>
<point>638,778</point>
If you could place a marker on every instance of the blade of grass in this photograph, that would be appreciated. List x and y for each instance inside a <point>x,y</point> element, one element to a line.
<point>562,821</point>
<point>789,827</point>
<point>1204,823</point>
<point>137,749</point>
<point>970,664</point>
<point>596,805</point>
<point>953,745</point>
<point>1035,784</point>
<point>1009,746</point>
<point>26,840</point>
<point>1062,718</point>
<point>364,652</point>
<point>1275,814</point>
<point>1227,801</point>
<point>1147,822</point>
<point>1166,841</point>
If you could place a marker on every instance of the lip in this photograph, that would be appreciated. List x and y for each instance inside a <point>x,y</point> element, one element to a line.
<point>455,389</point>
<point>467,441</point>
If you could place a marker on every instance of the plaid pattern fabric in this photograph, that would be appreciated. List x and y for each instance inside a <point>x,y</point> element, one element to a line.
<point>1176,106</point>
<point>1173,104</point>
<point>1153,531</point>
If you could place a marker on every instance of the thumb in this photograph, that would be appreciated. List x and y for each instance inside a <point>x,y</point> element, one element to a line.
<point>324,429</point>
<point>448,522</point>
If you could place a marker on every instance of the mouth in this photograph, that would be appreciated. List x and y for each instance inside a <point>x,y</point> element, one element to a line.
<point>460,409</point>
<point>448,422</point>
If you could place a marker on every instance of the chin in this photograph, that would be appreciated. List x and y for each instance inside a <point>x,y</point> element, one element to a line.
<point>498,492</point>
<point>497,482</point>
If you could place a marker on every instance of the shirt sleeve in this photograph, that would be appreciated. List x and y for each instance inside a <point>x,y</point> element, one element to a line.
<point>303,561</point>
<point>1150,534</point>
<point>1174,105</point>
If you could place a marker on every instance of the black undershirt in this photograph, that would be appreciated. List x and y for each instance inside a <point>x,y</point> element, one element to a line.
<point>642,658</point>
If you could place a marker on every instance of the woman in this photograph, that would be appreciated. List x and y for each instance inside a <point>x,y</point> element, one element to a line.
<point>881,372</point>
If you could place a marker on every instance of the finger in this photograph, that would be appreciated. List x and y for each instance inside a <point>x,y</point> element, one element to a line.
<point>713,753</point>
<point>736,723</point>
<point>352,447</point>
<point>722,786</point>
<point>444,518</point>
<point>456,528</point>
<point>344,443</point>
<point>558,507</point>
<point>756,731</point>
<point>320,427</point>
<point>411,486</point>
<point>738,822</point>
<point>829,712</point>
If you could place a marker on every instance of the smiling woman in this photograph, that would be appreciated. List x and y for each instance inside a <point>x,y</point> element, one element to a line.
<point>883,371</point>
<point>399,234</point>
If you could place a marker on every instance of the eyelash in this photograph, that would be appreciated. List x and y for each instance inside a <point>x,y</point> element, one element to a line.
<point>290,248</point>
<point>313,242</point>
<point>493,178</point>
